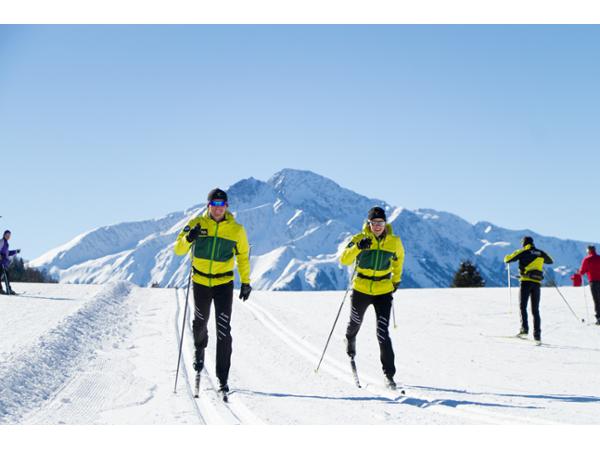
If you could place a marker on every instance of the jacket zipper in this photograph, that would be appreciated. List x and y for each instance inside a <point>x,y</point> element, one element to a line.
<point>376,265</point>
<point>212,255</point>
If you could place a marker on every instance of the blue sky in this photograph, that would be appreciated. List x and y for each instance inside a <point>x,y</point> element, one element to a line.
<point>104,124</point>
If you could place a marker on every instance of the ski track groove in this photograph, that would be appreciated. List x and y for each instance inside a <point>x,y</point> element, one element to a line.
<point>57,354</point>
<point>212,413</point>
<point>233,412</point>
<point>340,371</point>
<point>183,368</point>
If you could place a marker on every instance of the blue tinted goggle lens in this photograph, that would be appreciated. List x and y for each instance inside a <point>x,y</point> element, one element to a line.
<point>218,203</point>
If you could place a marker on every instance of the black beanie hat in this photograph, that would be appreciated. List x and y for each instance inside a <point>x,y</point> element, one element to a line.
<point>217,194</point>
<point>527,240</point>
<point>376,213</point>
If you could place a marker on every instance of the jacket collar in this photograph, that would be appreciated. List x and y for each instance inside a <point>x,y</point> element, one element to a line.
<point>228,217</point>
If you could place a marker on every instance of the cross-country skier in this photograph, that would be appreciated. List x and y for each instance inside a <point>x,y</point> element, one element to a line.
<point>379,255</point>
<point>531,268</point>
<point>5,255</point>
<point>591,266</point>
<point>218,239</point>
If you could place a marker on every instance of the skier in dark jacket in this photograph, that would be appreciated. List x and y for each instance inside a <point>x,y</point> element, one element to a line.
<point>531,269</point>
<point>5,255</point>
<point>591,266</point>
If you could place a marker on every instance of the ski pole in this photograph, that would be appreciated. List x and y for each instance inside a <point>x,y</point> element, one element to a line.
<point>184,316</point>
<point>393,312</point>
<point>336,318</point>
<point>565,300</point>
<point>6,282</point>
<point>587,311</point>
<point>509,288</point>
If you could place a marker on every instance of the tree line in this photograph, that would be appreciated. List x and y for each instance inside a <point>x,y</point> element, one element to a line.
<point>19,272</point>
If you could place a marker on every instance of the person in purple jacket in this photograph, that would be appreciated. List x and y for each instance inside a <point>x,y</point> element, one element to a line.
<point>5,255</point>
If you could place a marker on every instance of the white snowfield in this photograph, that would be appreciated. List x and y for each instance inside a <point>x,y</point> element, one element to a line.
<point>84,354</point>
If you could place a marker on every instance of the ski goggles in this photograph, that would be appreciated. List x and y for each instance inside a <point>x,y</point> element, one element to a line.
<point>377,223</point>
<point>217,203</point>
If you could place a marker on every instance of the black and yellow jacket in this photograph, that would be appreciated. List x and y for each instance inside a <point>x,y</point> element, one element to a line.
<point>215,249</point>
<point>379,267</point>
<point>531,263</point>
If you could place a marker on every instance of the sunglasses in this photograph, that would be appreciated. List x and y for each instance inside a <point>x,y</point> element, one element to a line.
<point>217,203</point>
<point>377,223</point>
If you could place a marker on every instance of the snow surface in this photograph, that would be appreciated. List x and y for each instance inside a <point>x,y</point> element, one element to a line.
<point>79,354</point>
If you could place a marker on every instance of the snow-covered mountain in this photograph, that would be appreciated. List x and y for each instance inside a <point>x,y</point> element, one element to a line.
<point>298,222</point>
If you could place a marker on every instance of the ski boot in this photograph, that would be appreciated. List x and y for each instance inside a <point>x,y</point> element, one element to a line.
<point>224,391</point>
<point>198,369</point>
<point>522,333</point>
<point>197,385</point>
<point>351,347</point>
<point>390,383</point>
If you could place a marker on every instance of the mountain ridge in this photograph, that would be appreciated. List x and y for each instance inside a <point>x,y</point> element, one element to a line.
<point>298,223</point>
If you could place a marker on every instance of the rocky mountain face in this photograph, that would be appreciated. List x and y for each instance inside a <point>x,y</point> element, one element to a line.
<point>298,222</point>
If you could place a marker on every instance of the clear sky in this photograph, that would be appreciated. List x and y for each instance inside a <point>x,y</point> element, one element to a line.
<point>105,124</point>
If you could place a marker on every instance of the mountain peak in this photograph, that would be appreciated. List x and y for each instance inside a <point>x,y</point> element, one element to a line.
<point>293,177</point>
<point>296,222</point>
<point>321,195</point>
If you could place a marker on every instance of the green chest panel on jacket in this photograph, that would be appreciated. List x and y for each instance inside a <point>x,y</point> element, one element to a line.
<point>375,259</point>
<point>223,248</point>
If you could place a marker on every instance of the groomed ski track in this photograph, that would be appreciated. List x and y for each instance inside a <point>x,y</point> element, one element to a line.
<point>77,354</point>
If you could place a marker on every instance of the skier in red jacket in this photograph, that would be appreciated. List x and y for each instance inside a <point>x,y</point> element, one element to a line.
<point>591,266</point>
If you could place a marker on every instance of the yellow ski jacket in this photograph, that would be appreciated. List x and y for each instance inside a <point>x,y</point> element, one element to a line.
<point>215,249</point>
<point>380,266</point>
<point>531,263</point>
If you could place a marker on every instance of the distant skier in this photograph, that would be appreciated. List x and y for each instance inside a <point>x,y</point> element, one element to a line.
<point>379,255</point>
<point>217,239</point>
<point>5,255</point>
<point>531,269</point>
<point>576,279</point>
<point>591,266</point>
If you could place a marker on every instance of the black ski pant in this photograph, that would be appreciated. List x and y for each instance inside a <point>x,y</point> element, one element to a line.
<point>383,306</point>
<point>5,279</point>
<point>222,296</point>
<point>531,289</point>
<point>595,287</point>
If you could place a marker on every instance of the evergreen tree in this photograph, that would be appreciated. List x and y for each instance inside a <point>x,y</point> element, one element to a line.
<point>23,274</point>
<point>467,275</point>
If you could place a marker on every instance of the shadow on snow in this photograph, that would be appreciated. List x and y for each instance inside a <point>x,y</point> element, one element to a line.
<point>557,397</point>
<point>400,399</point>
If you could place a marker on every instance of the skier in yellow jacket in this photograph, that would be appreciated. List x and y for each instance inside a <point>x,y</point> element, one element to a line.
<point>216,240</point>
<point>379,256</point>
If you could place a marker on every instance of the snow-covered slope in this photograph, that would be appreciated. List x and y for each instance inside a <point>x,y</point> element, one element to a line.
<point>298,223</point>
<point>108,354</point>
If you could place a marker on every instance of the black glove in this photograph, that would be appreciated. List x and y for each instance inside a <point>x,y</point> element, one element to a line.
<point>364,243</point>
<point>245,290</point>
<point>18,251</point>
<point>193,234</point>
<point>396,286</point>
